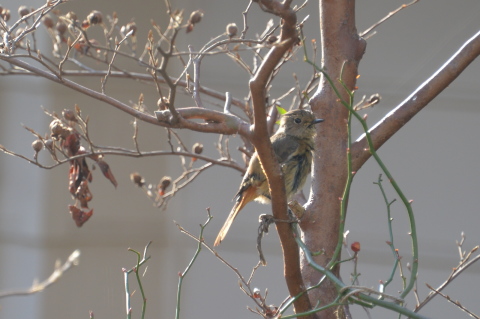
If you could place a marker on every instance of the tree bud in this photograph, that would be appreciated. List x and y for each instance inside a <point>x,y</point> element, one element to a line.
<point>163,103</point>
<point>165,182</point>
<point>272,39</point>
<point>48,22</point>
<point>49,144</point>
<point>71,16</point>
<point>69,115</point>
<point>95,17</point>
<point>23,11</point>
<point>231,30</point>
<point>137,179</point>
<point>61,28</point>
<point>197,148</point>
<point>131,26</point>
<point>195,17</point>
<point>37,146</point>
<point>6,14</point>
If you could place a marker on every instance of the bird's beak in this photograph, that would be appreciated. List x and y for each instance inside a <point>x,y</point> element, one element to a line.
<point>316,121</point>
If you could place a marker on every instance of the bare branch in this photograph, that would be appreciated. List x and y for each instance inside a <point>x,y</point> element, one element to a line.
<point>130,153</point>
<point>463,265</point>
<point>388,16</point>
<point>123,74</point>
<point>217,122</point>
<point>109,71</point>
<point>244,283</point>
<point>72,260</point>
<point>196,61</point>
<point>455,302</point>
<point>414,103</point>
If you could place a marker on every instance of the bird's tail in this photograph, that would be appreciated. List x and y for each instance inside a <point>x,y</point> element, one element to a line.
<point>243,198</point>
<point>226,226</point>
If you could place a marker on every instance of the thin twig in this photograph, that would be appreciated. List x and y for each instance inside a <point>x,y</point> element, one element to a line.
<point>244,283</point>
<point>196,61</point>
<point>463,265</point>
<point>455,302</point>
<point>72,260</point>
<point>245,24</point>
<point>109,71</point>
<point>388,16</point>
<point>99,150</point>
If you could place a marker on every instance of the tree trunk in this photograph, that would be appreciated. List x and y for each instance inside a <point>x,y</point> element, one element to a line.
<point>341,46</point>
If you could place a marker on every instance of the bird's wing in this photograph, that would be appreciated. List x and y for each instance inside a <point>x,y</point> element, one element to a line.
<point>284,147</point>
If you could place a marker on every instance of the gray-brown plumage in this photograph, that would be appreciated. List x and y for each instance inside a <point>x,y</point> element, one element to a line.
<point>293,146</point>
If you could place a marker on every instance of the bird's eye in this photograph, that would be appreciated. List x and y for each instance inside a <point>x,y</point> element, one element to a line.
<point>298,120</point>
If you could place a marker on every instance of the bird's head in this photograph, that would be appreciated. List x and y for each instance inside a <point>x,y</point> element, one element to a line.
<point>299,123</point>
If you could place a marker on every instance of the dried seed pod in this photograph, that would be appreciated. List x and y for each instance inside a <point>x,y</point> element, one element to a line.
<point>58,130</point>
<point>129,27</point>
<point>85,24</point>
<point>272,39</point>
<point>374,99</point>
<point>195,17</point>
<point>71,16</point>
<point>56,127</point>
<point>23,11</point>
<point>137,179</point>
<point>232,30</point>
<point>197,148</point>
<point>69,115</point>
<point>163,103</point>
<point>95,17</point>
<point>37,145</point>
<point>271,311</point>
<point>165,181</point>
<point>48,22</point>
<point>61,28</point>
<point>6,14</point>
<point>49,144</point>
<point>163,185</point>
<point>82,46</point>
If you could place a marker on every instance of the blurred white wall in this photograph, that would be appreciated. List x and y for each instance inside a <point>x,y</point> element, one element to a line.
<point>434,159</point>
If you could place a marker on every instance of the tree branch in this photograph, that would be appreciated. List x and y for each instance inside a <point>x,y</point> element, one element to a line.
<point>425,93</point>
<point>270,165</point>
<point>215,122</point>
<point>133,75</point>
<point>60,269</point>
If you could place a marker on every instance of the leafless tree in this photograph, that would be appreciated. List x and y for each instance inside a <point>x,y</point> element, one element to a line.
<point>330,93</point>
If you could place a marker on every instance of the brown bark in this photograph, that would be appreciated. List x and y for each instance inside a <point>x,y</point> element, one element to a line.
<point>341,45</point>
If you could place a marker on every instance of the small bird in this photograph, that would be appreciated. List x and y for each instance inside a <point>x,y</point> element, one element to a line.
<point>293,147</point>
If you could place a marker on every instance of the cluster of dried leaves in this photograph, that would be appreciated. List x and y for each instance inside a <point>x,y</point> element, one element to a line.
<point>64,140</point>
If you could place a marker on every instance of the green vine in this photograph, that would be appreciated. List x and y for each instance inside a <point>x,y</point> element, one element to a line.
<point>140,261</point>
<point>182,275</point>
